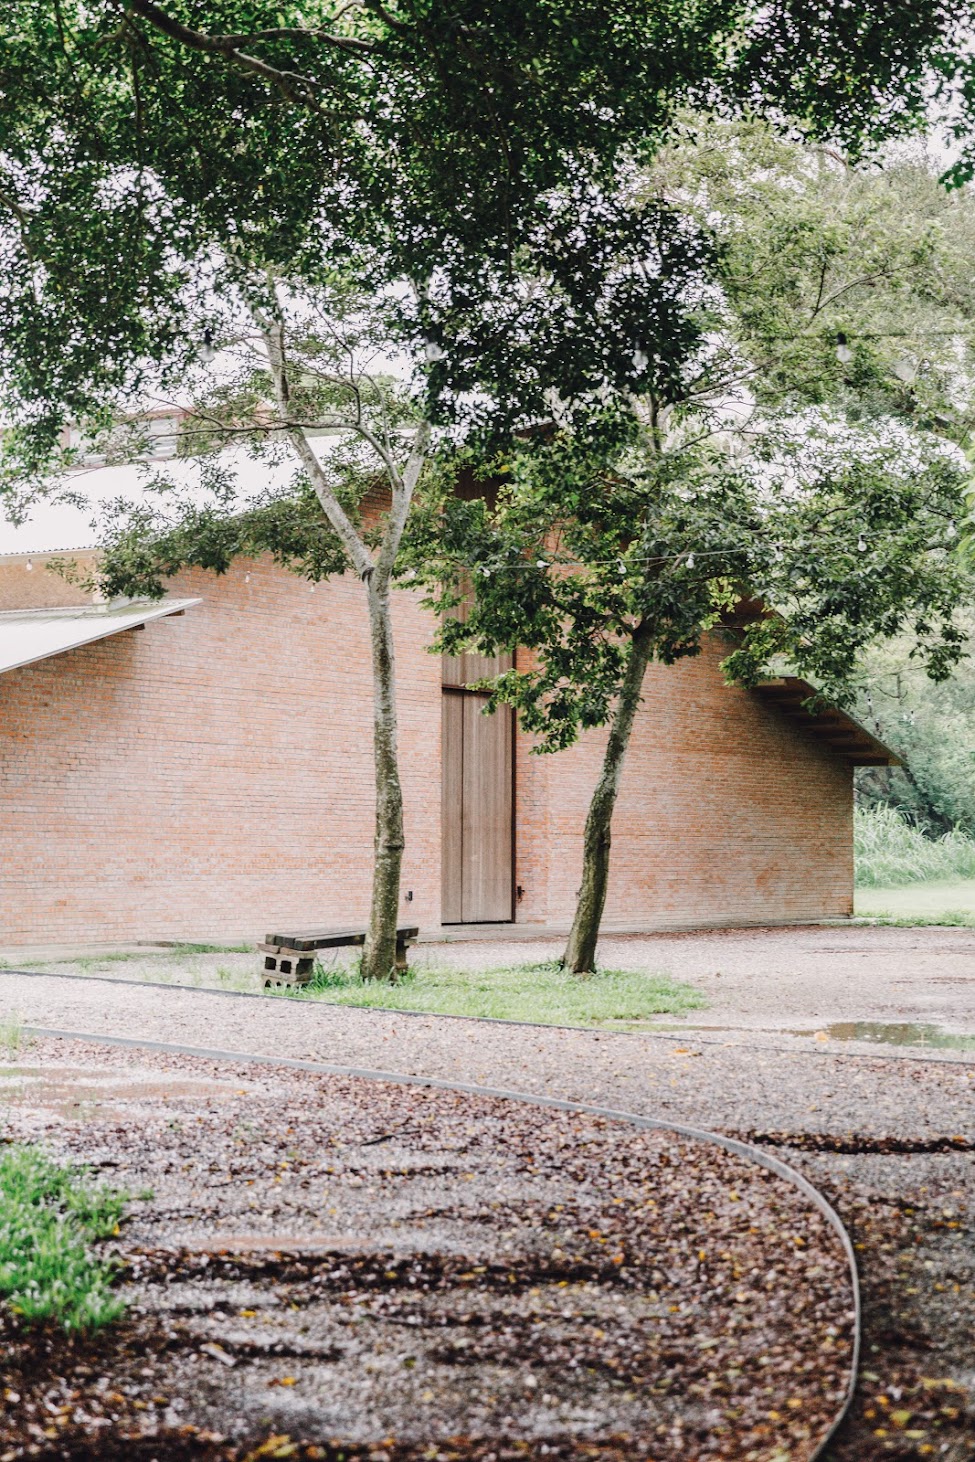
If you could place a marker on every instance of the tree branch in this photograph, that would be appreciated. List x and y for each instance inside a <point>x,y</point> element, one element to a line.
<point>292,86</point>
<point>273,331</point>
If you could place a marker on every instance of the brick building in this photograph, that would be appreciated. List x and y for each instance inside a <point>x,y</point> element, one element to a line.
<point>203,769</point>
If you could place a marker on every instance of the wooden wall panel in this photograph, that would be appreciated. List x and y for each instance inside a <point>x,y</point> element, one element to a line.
<point>452,809</point>
<point>487,802</point>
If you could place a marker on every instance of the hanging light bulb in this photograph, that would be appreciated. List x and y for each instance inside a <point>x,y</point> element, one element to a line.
<point>843,352</point>
<point>951,530</point>
<point>207,351</point>
<point>690,560</point>
<point>861,544</point>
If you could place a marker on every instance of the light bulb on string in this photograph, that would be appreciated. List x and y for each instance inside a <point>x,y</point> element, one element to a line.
<point>861,544</point>
<point>951,530</point>
<point>690,560</point>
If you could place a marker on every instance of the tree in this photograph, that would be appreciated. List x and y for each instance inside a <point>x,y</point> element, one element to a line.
<point>932,727</point>
<point>150,168</point>
<point>799,493</point>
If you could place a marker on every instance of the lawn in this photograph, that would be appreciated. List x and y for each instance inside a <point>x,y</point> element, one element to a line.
<point>540,993</point>
<point>949,901</point>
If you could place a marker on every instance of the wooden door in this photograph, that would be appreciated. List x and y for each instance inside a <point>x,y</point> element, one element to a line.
<point>478,799</point>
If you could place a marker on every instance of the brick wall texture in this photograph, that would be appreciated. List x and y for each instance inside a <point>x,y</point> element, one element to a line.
<point>211,776</point>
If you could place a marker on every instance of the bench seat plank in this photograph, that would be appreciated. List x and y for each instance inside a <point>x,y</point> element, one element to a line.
<point>311,939</point>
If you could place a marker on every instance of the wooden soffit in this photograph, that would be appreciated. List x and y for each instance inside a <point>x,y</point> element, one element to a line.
<point>844,736</point>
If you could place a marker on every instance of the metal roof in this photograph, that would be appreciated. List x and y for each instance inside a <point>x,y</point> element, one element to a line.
<point>27,635</point>
<point>73,519</point>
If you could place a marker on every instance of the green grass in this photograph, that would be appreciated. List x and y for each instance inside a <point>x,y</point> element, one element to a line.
<point>90,962</point>
<point>541,993</point>
<point>50,1217</point>
<point>181,949</point>
<point>11,1035</point>
<point>919,903</point>
<point>892,853</point>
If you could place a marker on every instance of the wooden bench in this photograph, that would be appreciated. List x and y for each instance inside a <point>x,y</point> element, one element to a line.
<point>289,959</point>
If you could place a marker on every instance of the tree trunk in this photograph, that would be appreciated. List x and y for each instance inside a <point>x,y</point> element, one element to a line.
<point>379,955</point>
<point>580,952</point>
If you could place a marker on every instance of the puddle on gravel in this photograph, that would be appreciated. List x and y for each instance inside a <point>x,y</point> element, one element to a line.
<point>876,1032</point>
<point>897,1033</point>
<point>83,1095</point>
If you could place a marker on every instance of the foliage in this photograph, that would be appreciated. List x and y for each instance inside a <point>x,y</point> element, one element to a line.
<point>890,851</point>
<point>542,994</point>
<point>778,474</point>
<point>932,727</point>
<point>416,142</point>
<point>49,1219</point>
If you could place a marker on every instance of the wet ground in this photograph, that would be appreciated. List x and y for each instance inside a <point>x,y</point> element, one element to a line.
<point>793,983</point>
<point>351,1268</point>
<point>886,1129</point>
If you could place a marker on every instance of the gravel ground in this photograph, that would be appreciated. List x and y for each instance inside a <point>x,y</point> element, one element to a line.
<point>888,1139</point>
<point>807,977</point>
<point>339,1263</point>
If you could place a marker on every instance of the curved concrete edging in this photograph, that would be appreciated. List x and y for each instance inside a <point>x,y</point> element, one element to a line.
<point>633,1119</point>
<point>697,1034</point>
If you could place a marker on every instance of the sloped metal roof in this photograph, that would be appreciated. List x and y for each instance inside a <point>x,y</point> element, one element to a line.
<point>27,635</point>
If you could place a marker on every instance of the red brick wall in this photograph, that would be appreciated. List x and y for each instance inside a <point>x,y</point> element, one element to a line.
<point>727,813</point>
<point>211,775</point>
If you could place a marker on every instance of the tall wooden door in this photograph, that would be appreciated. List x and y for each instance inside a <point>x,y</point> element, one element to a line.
<point>478,798</point>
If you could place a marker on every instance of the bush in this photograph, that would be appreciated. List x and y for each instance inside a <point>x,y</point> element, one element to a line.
<point>890,851</point>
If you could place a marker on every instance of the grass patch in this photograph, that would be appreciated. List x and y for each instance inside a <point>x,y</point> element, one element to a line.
<point>892,853</point>
<point>50,1217</point>
<point>11,1035</point>
<point>541,993</point>
<point>919,904</point>
<point>180,949</point>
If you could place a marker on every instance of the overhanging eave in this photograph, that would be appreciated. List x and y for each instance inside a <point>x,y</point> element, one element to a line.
<point>29,635</point>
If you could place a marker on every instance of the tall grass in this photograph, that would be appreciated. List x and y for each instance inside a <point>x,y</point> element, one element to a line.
<point>890,852</point>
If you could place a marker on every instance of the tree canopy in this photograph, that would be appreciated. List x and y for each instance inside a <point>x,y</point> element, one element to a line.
<point>799,488</point>
<point>418,141</point>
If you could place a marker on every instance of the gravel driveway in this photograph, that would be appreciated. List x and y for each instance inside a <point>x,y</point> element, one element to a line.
<point>340,1261</point>
<point>889,1138</point>
<point>805,977</point>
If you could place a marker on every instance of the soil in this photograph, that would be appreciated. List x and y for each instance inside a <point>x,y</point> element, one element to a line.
<point>324,1267</point>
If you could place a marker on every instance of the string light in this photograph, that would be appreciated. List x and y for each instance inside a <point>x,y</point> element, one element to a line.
<point>689,558</point>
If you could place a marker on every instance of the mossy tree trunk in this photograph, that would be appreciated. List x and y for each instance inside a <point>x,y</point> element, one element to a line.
<point>580,952</point>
